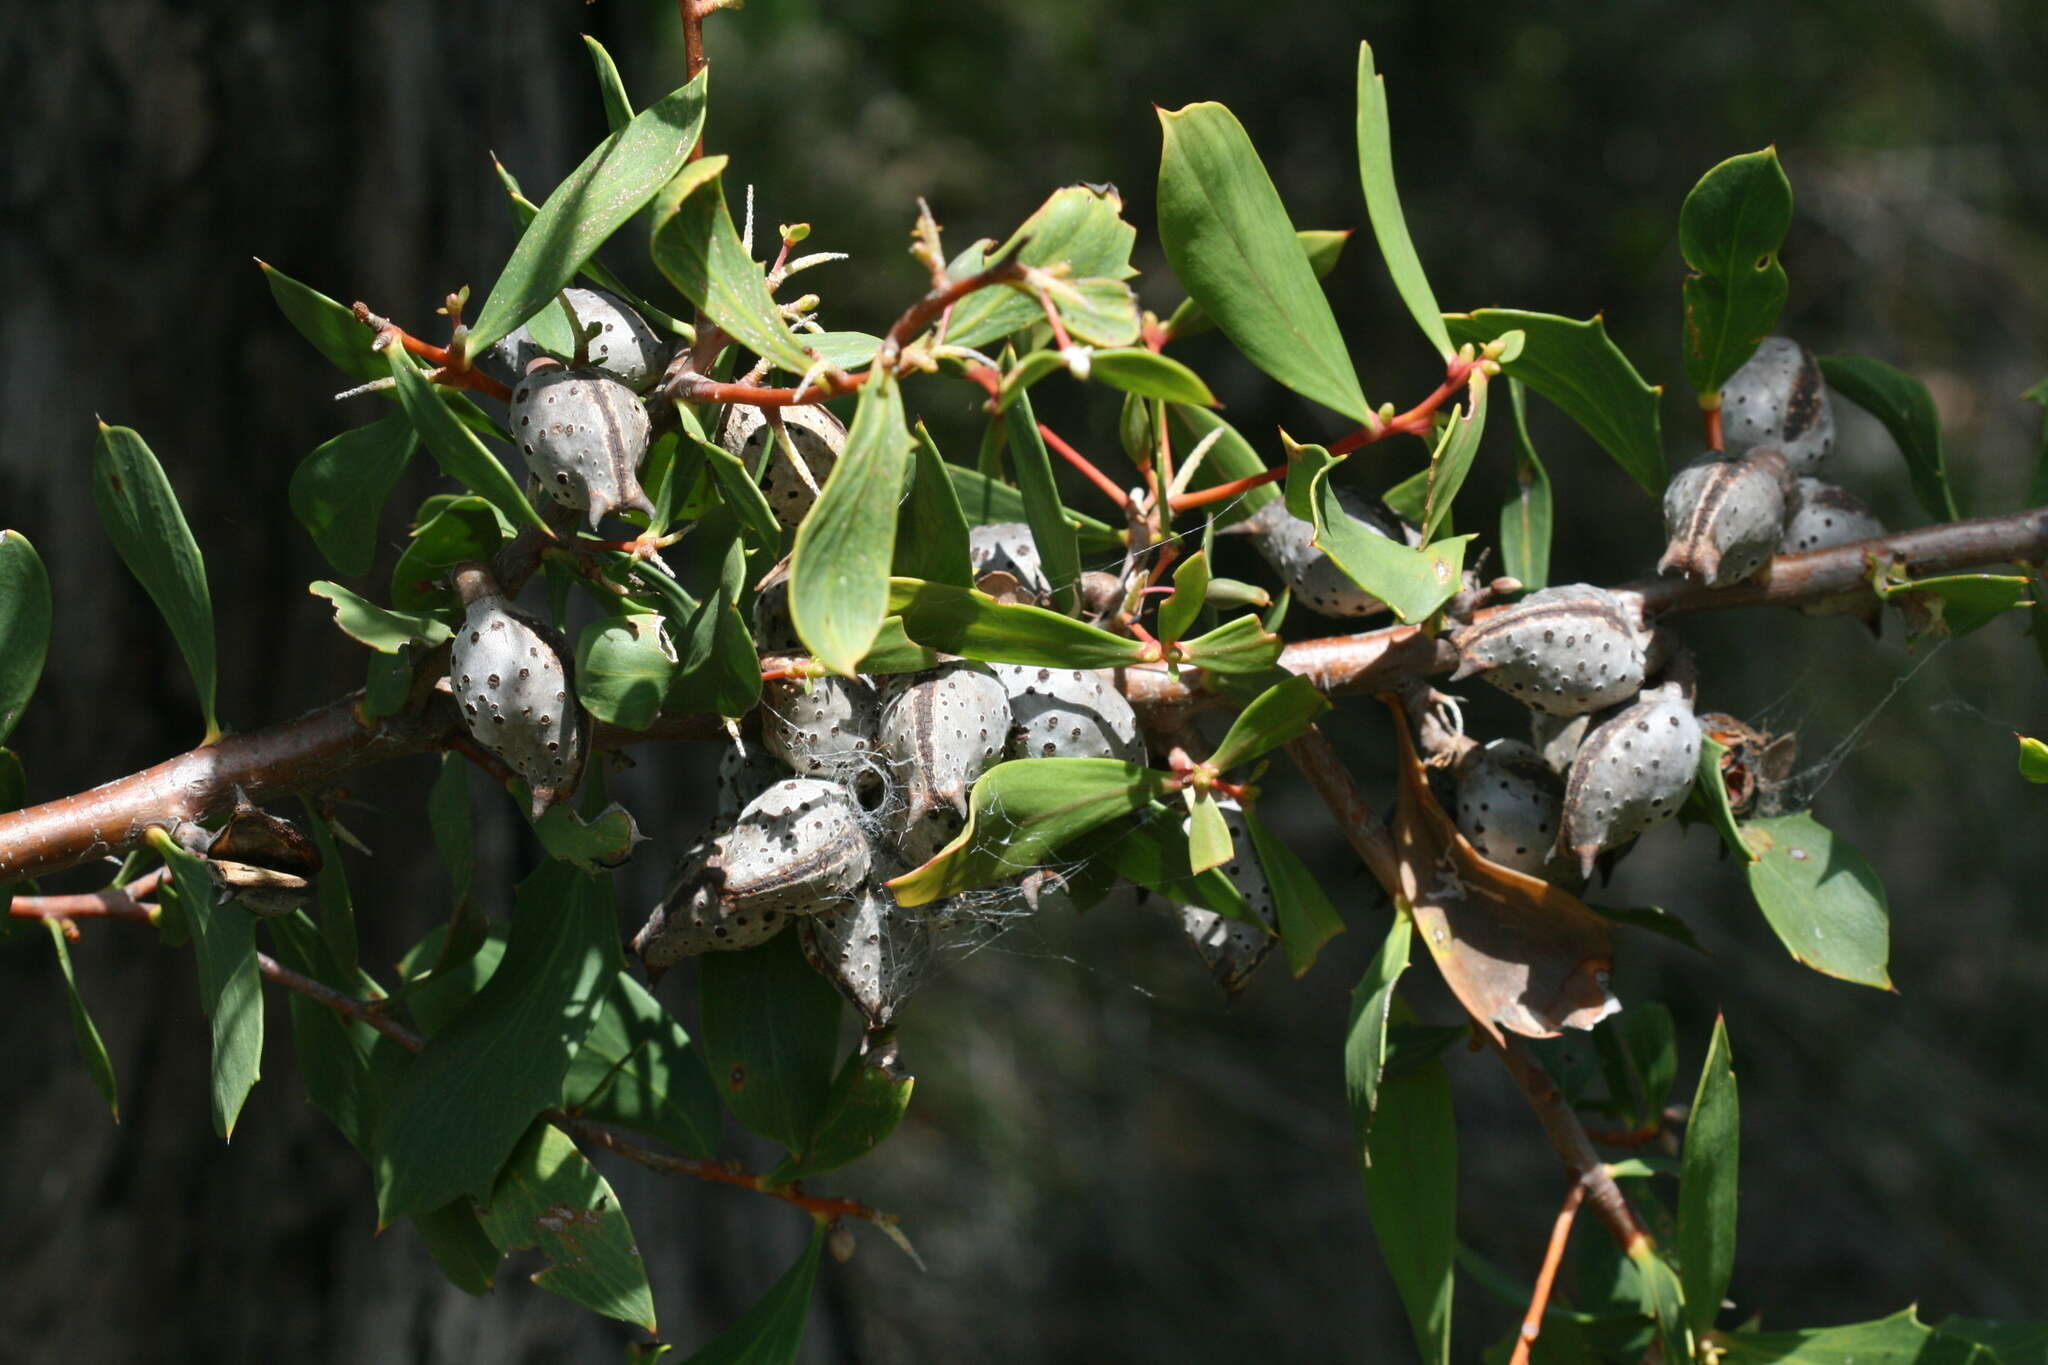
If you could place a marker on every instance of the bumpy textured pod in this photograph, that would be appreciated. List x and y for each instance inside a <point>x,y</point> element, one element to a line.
<point>940,730</point>
<point>1232,949</point>
<point>1779,399</point>
<point>1821,515</point>
<point>1632,772</point>
<point>1557,738</point>
<point>1284,540</point>
<point>797,847</point>
<point>624,346</point>
<point>1508,804</point>
<point>1006,547</point>
<point>512,677</point>
<point>872,949</point>
<point>692,917</point>
<point>818,437</point>
<point>744,774</point>
<point>1565,650</point>
<point>583,435</point>
<point>1724,516</point>
<point>1068,713</point>
<point>821,728</point>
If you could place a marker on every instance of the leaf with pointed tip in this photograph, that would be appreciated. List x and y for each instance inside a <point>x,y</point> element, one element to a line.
<point>2033,759</point>
<point>1525,518</point>
<point>1901,1339</point>
<point>599,197</point>
<point>1078,226</point>
<point>549,1195</point>
<point>1149,375</point>
<point>843,350</point>
<point>1275,716</point>
<point>717,668</point>
<point>772,1331</point>
<point>623,668</point>
<point>90,1048</point>
<point>866,1104</point>
<point>1953,605</point>
<point>455,447</point>
<point>1321,246</point>
<point>458,529</point>
<point>618,105</point>
<point>1365,1044</point>
<point>839,570</point>
<point>142,517</point>
<point>1413,583</point>
<point>700,251</point>
<point>976,626</point>
<point>24,625</point>
<point>1190,594</point>
<point>1729,231</point>
<point>552,316</point>
<point>736,487</point>
<point>896,652</point>
<point>602,841</point>
<point>383,630</point>
<point>1707,1187</point>
<point>1411,1193</point>
<point>1153,852</point>
<point>338,492</point>
<point>333,1051</point>
<point>461,1251</point>
<point>1229,241</point>
<point>1230,458</point>
<point>2007,1343</point>
<point>1451,461</point>
<point>769,1027</point>
<point>1822,898</point>
<point>1243,645</point>
<point>1663,1299</point>
<point>230,991</point>
<point>1907,410</point>
<point>986,501</point>
<point>1096,312</point>
<point>1383,205</point>
<point>1052,531</point>
<point>1208,836</point>
<point>1021,811</point>
<point>1306,918</point>
<point>637,1069</point>
<point>1031,367</point>
<point>931,535</point>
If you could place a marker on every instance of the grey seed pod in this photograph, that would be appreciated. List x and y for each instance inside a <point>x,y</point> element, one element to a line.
<point>1557,738</point>
<point>919,841</point>
<point>821,728</point>
<point>513,678</point>
<point>1508,805</point>
<point>1821,515</point>
<point>692,917</point>
<point>1779,399</point>
<point>1068,713</point>
<point>624,347</point>
<point>1284,540</point>
<point>795,848</point>
<point>940,730</point>
<point>818,437</point>
<point>1565,650</point>
<point>774,627</point>
<point>583,435</point>
<point>1232,949</point>
<point>872,949</point>
<point>1006,547</point>
<point>1724,516</point>
<point>744,774</point>
<point>1632,772</point>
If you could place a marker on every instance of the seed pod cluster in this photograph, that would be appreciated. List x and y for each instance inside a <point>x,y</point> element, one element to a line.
<point>583,434</point>
<point>1286,542</point>
<point>1565,650</point>
<point>511,674</point>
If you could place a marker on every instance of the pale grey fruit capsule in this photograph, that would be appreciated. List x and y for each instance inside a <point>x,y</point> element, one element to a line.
<point>1557,738</point>
<point>744,774</point>
<point>1724,516</point>
<point>1231,948</point>
<point>623,347</point>
<point>1508,805</point>
<point>1779,399</point>
<point>823,727</point>
<point>583,435</point>
<point>1822,515</point>
<point>774,627</point>
<point>1068,713</point>
<point>940,730</point>
<point>795,848</point>
<point>1006,547</point>
<point>814,432</point>
<point>1632,772</point>
<point>1566,650</point>
<point>872,949</point>
<point>693,918</point>
<point>512,677</point>
<point>1285,541</point>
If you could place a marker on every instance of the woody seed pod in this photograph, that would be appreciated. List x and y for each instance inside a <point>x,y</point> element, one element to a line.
<point>1508,806</point>
<point>1557,738</point>
<point>583,435</point>
<point>693,918</point>
<point>1779,399</point>
<point>622,345</point>
<point>1565,650</point>
<point>1820,515</point>
<point>1285,541</point>
<point>1632,772</point>
<point>744,774</point>
<point>939,731</point>
<point>1724,516</point>
<point>512,676</point>
<point>823,727</point>
<point>1068,713</point>
<point>872,949</point>
<point>817,436</point>
<point>1006,547</point>
<point>1231,948</point>
<point>796,847</point>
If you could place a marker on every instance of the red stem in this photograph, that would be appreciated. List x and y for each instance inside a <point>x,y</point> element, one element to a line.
<point>1223,492</point>
<point>1087,468</point>
<point>1560,1234</point>
<point>1416,420</point>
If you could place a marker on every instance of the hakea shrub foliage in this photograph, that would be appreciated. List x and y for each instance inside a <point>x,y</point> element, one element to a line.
<point>921,668</point>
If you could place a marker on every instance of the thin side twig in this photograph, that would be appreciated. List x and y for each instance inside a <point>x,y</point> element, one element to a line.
<point>1539,1298</point>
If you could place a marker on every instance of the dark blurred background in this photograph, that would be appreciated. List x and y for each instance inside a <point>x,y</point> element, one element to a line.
<point>1104,1160</point>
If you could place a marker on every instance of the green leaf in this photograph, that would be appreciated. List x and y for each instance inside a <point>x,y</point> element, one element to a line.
<point>1149,375</point>
<point>459,529</point>
<point>1277,715</point>
<point>1907,410</point>
<point>839,570</point>
<point>1577,366</point>
<point>1383,203</point>
<point>550,1196</point>
<point>1663,1300</point>
<point>148,528</point>
<point>333,1051</point>
<point>1822,898</point>
<point>338,492</point>
<point>931,535</point>
<point>1322,247</point>
<point>772,1331</point>
<point>986,501</point>
<point>1240,646</point>
<point>1525,519</point>
<point>602,841</point>
<point>1901,1339</point>
<point>337,908</point>
<point>866,1104</point>
<point>456,1110</point>
<point>717,669</point>
<point>2033,759</point>
<point>1413,583</point>
<point>1058,543</point>
<point>1729,231</point>
<point>846,350</point>
<point>1710,790</point>
<point>618,105</point>
<point>1411,1191</point>
<point>1228,239</point>
<point>1230,458</point>
<point>1190,594</point>
<point>331,327</point>
<point>614,182</point>
<point>1451,461</point>
<point>1077,226</point>
<point>736,487</point>
<point>1021,811</point>
<point>976,626</point>
<point>1154,853</point>
<point>453,827</point>
<point>385,631</point>
<point>455,447</point>
<point>1707,1187</point>
<point>2011,1343</point>
<point>1306,917</point>
<point>770,1033</point>
<point>24,625</point>
<point>636,1069</point>
<point>90,1048</point>
<point>1095,312</point>
<point>230,991</point>
<point>456,1241</point>
<point>1365,1041</point>
<point>1954,604</point>
<point>1208,835</point>
<point>623,668</point>
<point>700,251</point>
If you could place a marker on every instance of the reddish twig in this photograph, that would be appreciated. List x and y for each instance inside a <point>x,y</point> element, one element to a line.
<point>371,1012</point>
<point>926,310</point>
<point>1223,492</point>
<point>448,374</point>
<point>1085,465</point>
<point>113,902</point>
<point>1539,1299</point>
<point>1417,420</point>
